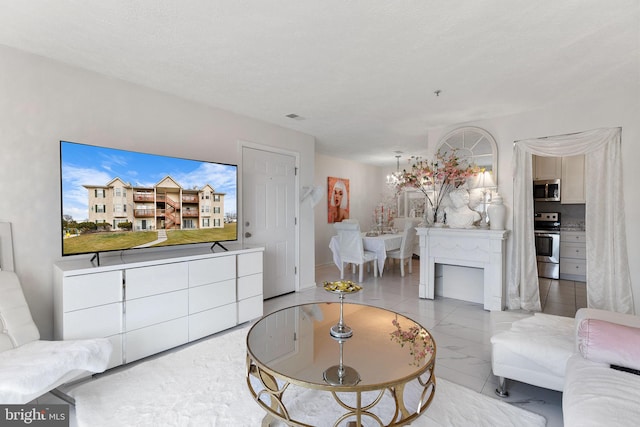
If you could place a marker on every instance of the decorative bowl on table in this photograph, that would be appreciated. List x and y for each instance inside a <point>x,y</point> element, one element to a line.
<point>341,287</point>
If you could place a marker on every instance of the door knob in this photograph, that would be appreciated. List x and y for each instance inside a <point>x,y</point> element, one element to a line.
<point>247,234</point>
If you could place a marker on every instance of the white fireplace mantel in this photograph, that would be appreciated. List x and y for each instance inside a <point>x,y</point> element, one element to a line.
<point>465,247</point>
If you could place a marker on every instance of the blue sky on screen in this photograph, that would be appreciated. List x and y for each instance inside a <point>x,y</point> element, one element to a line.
<point>90,165</point>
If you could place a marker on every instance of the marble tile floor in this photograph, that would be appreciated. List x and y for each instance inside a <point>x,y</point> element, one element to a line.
<point>462,330</point>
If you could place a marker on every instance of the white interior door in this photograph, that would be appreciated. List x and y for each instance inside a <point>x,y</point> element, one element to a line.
<point>268,215</point>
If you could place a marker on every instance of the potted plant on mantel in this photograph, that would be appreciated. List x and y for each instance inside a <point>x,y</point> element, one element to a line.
<point>435,178</point>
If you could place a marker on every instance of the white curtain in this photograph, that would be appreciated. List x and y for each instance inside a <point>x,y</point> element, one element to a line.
<point>608,278</point>
<point>523,285</point>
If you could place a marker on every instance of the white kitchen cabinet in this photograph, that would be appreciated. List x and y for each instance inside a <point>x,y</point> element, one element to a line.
<point>573,256</point>
<point>573,180</point>
<point>152,305</point>
<point>547,167</point>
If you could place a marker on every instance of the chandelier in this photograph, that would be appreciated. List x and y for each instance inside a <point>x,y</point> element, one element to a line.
<point>396,177</point>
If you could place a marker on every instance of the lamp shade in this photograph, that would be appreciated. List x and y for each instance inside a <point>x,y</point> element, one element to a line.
<point>484,180</point>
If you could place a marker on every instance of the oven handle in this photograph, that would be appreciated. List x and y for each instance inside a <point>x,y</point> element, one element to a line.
<point>546,233</point>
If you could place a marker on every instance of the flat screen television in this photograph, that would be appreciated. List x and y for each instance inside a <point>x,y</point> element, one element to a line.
<point>114,200</point>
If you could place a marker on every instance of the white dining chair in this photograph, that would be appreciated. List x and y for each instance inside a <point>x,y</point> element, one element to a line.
<point>405,252</point>
<point>352,250</point>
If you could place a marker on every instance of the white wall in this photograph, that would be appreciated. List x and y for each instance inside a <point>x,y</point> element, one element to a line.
<point>367,188</point>
<point>43,102</point>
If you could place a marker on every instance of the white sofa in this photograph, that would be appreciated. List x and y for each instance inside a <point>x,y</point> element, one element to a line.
<point>574,356</point>
<point>594,393</point>
<point>531,349</point>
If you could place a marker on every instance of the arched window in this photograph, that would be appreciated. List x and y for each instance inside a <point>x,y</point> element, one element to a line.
<point>474,144</point>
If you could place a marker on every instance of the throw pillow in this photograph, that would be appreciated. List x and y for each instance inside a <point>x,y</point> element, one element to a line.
<point>612,343</point>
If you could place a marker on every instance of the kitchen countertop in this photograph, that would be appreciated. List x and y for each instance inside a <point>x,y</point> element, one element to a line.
<point>572,228</point>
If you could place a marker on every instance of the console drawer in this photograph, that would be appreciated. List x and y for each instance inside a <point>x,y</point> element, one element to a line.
<point>249,286</point>
<point>148,311</point>
<point>94,322</point>
<point>154,339</point>
<point>204,271</point>
<point>206,297</point>
<point>157,279</point>
<point>212,321</point>
<point>90,290</point>
<point>249,264</point>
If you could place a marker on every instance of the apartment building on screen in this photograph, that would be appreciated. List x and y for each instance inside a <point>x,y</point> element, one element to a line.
<point>166,205</point>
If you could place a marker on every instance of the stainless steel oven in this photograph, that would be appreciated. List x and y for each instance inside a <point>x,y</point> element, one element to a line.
<point>547,241</point>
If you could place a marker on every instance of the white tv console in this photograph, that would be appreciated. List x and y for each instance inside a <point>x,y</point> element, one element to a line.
<point>151,303</point>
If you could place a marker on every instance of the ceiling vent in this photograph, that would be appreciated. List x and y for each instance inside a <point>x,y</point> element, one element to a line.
<point>294,116</point>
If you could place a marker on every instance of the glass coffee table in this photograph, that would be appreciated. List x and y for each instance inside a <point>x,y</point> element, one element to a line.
<point>382,374</point>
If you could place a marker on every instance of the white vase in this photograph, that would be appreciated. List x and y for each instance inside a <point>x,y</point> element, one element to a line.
<point>497,213</point>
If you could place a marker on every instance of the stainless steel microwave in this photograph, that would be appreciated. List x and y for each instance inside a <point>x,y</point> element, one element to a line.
<point>547,190</point>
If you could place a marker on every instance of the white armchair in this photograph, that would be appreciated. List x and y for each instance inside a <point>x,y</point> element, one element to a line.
<point>30,367</point>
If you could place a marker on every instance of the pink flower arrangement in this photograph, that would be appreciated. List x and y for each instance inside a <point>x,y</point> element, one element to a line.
<point>417,339</point>
<point>437,177</point>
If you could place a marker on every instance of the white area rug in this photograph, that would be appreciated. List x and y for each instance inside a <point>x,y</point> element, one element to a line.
<point>205,385</point>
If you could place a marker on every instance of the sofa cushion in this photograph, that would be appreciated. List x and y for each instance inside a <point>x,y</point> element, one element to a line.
<point>544,339</point>
<point>610,343</point>
<point>596,395</point>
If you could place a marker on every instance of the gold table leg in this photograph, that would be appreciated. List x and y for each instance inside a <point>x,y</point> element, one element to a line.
<point>276,409</point>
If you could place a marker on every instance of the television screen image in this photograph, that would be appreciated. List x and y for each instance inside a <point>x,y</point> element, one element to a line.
<point>117,199</point>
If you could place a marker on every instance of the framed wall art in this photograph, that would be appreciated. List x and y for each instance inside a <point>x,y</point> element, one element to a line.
<point>337,199</point>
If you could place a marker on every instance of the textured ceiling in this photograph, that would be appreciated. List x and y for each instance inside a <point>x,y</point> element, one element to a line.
<point>362,73</point>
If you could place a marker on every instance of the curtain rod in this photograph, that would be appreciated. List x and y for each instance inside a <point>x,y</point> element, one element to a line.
<point>565,134</point>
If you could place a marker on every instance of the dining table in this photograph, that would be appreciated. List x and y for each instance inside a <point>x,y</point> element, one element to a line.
<point>379,244</point>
